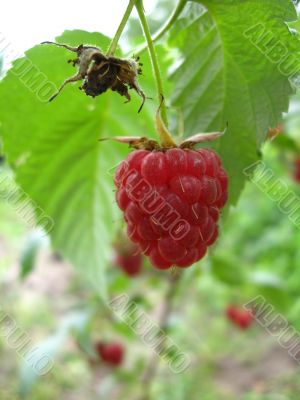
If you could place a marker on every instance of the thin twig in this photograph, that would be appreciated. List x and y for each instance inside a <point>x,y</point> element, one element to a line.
<point>166,311</point>
<point>153,57</point>
<point>114,43</point>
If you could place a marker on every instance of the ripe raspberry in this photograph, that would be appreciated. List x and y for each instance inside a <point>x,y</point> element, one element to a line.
<point>245,320</point>
<point>232,313</point>
<point>297,170</point>
<point>110,353</point>
<point>129,259</point>
<point>127,255</point>
<point>171,201</point>
<point>240,317</point>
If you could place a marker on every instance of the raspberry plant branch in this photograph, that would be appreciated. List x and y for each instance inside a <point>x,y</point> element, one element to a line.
<point>165,28</point>
<point>153,58</point>
<point>166,311</point>
<point>114,43</point>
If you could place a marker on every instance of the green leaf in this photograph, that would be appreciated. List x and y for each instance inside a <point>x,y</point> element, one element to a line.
<point>285,143</point>
<point>278,297</point>
<point>228,271</point>
<point>228,73</point>
<point>56,155</point>
<point>1,65</point>
<point>29,253</point>
<point>272,288</point>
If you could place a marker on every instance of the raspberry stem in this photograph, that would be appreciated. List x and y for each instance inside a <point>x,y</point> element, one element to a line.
<point>114,43</point>
<point>167,308</point>
<point>153,58</point>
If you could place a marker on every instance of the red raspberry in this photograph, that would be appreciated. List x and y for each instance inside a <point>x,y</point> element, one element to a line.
<point>297,170</point>
<point>110,353</point>
<point>240,317</point>
<point>171,201</point>
<point>128,258</point>
<point>232,313</point>
<point>245,319</point>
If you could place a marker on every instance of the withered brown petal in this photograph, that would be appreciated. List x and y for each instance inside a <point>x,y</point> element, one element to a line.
<point>200,138</point>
